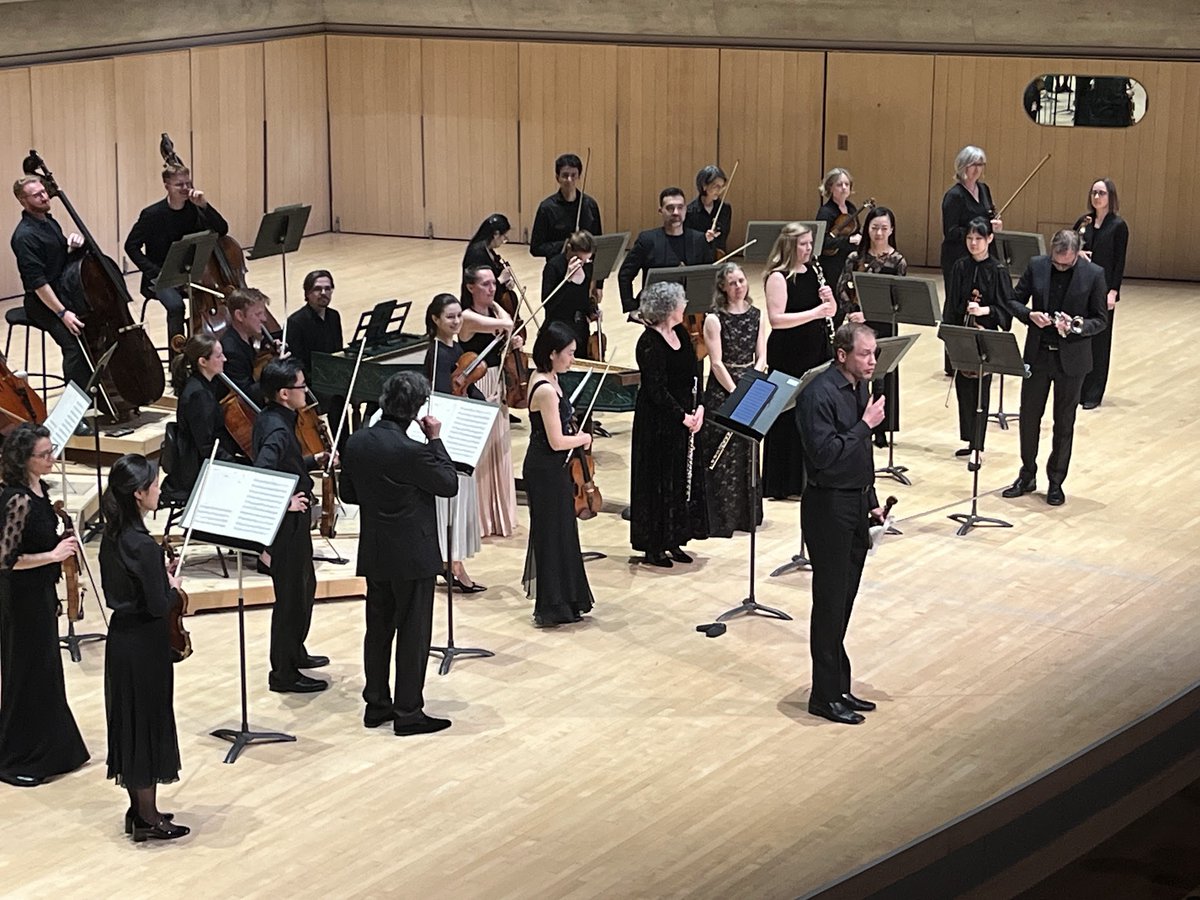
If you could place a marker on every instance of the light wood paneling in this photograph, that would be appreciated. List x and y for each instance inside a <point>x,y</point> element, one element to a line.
<point>153,95</point>
<point>74,116</point>
<point>375,134</point>
<point>297,115</point>
<point>15,140</point>
<point>770,115</point>
<point>227,141</point>
<point>568,102</point>
<point>977,101</point>
<point>469,104</point>
<point>667,121</point>
<point>881,103</point>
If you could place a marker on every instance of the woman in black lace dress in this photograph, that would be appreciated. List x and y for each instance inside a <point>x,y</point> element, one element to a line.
<point>554,577</point>
<point>736,341</point>
<point>38,735</point>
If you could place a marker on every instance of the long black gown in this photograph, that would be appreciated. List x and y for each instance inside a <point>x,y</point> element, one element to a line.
<point>795,351</point>
<point>143,748</point>
<point>660,517</point>
<point>732,504</point>
<point>38,734</point>
<point>554,576</point>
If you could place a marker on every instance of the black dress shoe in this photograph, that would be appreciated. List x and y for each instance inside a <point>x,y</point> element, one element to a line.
<point>163,830</point>
<point>1019,487</point>
<point>835,711</point>
<point>1090,404</point>
<point>963,451</point>
<point>658,559</point>
<point>130,815</point>
<point>473,588</point>
<point>302,685</point>
<point>424,725</point>
<point>22,780</point>
<point>373,721</point>
<point>313,662</point>
<point>677,554</point>
<point>857,703</point>
<point>1055,495</point>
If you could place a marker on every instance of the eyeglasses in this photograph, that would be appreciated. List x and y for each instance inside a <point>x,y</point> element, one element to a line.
<point>1099,193</point>
<point>45,454</point>
<point>298,387</point>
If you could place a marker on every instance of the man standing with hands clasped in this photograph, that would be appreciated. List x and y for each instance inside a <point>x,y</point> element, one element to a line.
<point>836,419</point>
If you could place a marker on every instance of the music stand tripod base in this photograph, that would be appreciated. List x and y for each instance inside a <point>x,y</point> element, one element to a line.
<point>750,607</point>
<point>72,641</point>
<point>243,737</point>
<point>797,563</point>
<point>451,653</point>
<point>971,520</point>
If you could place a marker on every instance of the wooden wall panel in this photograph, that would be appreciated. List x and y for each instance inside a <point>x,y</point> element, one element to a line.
<point>770,119</point>
<point>15,140</point>
<point>74,130</point>
<point>469,106</point>
<point>297,114</point>
<point>375,134</point>
<point>667,121</point>
<point>227,138</point>
<point>977,101</point>
<point>557,117</point>
<point>881,103</point>
<point>153,95</point>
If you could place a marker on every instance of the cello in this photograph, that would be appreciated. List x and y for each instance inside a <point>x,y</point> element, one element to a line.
<point>91,282</point>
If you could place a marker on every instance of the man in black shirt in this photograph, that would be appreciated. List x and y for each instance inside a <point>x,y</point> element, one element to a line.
<point>185,210</point>
<point>668,246</point>
<point>1069,306</point>
<point>41,250</point>
<point>247,317</point>
<point>292,573</point>
<point>316,326</point>
<point>836,419</point>
<point>556,216</point>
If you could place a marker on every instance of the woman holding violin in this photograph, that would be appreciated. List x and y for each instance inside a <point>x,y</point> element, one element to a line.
<point>443,322</point>
<point>143,748</point>
<point>483,249</point>
<point>572,305</point>
<point>38,735</point>
<point>842,233</point>
<point>1105,240</point>
<point>554,576</point>
<point>483,320</point>
<point>737,341</point>
<point>710,182</point>
<point>200,420</point>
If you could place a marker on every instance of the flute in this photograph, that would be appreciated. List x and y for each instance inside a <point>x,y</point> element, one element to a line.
<point>691,442</point>
<point>820,284</point>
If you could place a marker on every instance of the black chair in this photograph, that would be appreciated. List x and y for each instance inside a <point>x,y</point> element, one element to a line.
<point>18,318</point>
<point>175,502</point>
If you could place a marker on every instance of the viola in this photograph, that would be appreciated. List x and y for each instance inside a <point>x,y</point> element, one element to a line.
<point>178,636</point>
<point>469,369</point>
<point>18,401</point>
<point>70,568</point>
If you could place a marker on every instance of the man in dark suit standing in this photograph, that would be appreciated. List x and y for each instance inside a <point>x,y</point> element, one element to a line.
<point>669,246</point>
<point>1068,307</point>
<point>394,480</point>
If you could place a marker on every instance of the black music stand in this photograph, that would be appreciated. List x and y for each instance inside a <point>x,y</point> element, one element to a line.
<point>609,248</point>
<point>985,352</point>
<point>279,234</point>
<point>184,265</point>
<point>1015,249</point>
<point>888,355</point>
<point>94,388</point>
<point>765,232</point>
<point>697,281</point>
<point>748,414</point>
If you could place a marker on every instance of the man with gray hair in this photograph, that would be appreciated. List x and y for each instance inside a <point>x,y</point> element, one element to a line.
<point>1069,306</point>
<point>394,480</point>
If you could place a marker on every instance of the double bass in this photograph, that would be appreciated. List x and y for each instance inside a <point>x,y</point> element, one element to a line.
<point>94,289</point>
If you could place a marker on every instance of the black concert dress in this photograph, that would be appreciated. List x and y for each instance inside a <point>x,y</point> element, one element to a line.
<point>732,503</point>
<point>795,351</point>
<point>1108,245</point>
<point>554,576</point>
<point>143,748</point>
<point>660,516</point>
<point>836,249</point>
<point>891,263</point>
<point>38,734</point>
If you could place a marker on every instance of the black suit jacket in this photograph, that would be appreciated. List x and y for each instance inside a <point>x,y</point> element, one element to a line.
<point>651,250</point>
<point>394,480</point>
<point>1086,296</point>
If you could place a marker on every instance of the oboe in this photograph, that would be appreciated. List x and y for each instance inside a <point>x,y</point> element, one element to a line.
<point>691,441</point>
<point>820,284</point>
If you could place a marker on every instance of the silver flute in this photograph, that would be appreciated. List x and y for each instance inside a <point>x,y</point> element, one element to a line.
<point>820,284</point>
<point>691,441</point>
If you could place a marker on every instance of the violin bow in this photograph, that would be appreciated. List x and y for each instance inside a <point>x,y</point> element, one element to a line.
<point>1029,178</point>
<point>735,252</point>
<point>591,406</point>
<point>583,181</point>
<point>507,335</point>
<point>346,406</point>
<point>724,191</point>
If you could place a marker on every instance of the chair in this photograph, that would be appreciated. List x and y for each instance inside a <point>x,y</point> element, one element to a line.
<point>18,318</point>
<point>175,502</point>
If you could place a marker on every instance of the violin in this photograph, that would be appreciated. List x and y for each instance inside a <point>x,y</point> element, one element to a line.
<point>70,568</point>
<point>583,482</point>
<point>516,362</point>
<point>18,401</point>
<point>469,369</point>
<point>180,639</point>
<point>92,282</point>
<point>847,224</point>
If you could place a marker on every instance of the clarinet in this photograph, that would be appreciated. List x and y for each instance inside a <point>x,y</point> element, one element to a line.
<point>820,284</point>
<point>691,451</point>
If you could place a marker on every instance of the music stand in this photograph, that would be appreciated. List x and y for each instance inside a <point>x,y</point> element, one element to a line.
<point>609,248</point>
<point>94,388</point>
<point>279,234</point>
<point>184,265</point>
<point>765,233</point>
<point>697,283</point>
<point>1015,249</point>
<point>888,355</point>
<point>985,352</point>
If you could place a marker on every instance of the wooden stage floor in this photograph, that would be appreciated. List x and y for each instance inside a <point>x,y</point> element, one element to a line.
<point>629,756</point>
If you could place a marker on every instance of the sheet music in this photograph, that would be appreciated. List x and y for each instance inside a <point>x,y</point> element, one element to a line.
<point>466,425</point>
<point>240,502</point>
<point>66,415</point>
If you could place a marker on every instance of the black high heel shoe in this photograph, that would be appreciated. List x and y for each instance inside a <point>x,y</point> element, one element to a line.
<point>130,816</point>
<point>473,588</point>
<point>677,554</point>
<point>163,830</point>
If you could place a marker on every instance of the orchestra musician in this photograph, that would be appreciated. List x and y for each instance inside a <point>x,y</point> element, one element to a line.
<point>801,311</point>
<point>185,210</point>
<point>483,249</point>
<point>835,193</point>
<point>38,735</point>
<point>1069,306</point>
<point>1105,240</point>
<point>572,304</point>
<point>836,417</point>
<point>554,577</point>
<point>443,322</point>
<point>710,182</point>
<point>669,246</point>
<point>317,326</point>
<point>292,573</point>
<point>143,747</point>
<point>880,257</point>
<point>662,516</point>
<point>482,319</point>
<point>982,272</point>
<point>240,341</point>
<point>200,421</point>
<point>41,251</point>
<point>556,216</point>
<point>395,481</point>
